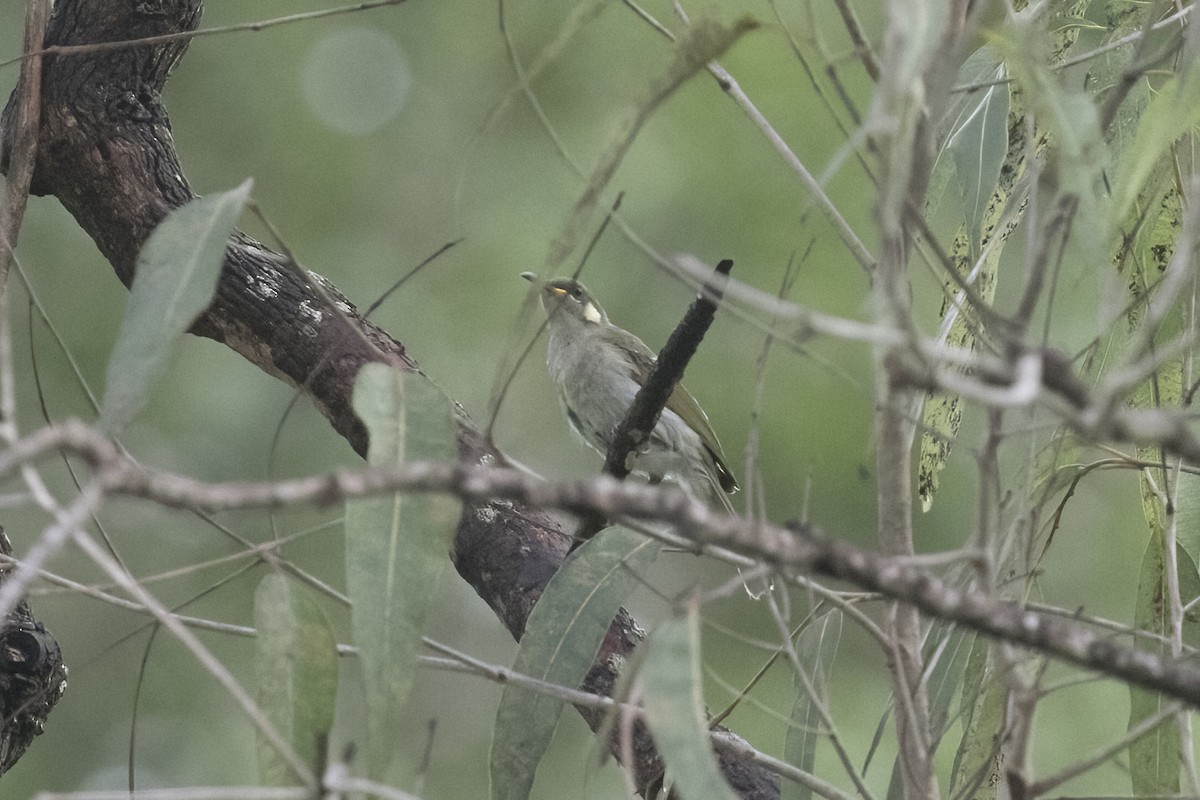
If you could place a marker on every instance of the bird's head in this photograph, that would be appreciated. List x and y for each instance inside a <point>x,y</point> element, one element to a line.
<point>566,298</point>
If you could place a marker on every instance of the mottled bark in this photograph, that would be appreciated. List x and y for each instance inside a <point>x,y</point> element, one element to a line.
<point>32,676</point>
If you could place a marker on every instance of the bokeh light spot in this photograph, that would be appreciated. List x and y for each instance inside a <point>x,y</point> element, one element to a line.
<point>356,80</point>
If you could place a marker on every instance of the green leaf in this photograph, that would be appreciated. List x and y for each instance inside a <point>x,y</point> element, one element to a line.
<point>978,140</point>
<point>174,281</point>
<point>297,675</point>
<point>1144,252</point>
<point>1171,113</point>
<point>817,648</point>
<point>941,419</point>
<point>1154,759</point>
<point>978,760</point>
<point>674,709</point>
<point>942,414</point>
<point>1187,516</point>
<point>947,653</point>
<point>1164,389</point>
<point>561,638</point>
<point>1122,22</point>
<point>1067,113</point>
<point>396,545</point>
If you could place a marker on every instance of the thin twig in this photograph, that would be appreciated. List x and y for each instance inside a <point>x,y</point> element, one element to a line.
<point>1145,726</point>
<point>195,793</point>
<point>862,47</point>
<point>1085,56</point>
<point>828,208</point>
<point>260,25</point>
<point>818,699</point>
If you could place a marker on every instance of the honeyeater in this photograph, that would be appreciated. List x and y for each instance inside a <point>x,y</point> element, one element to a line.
<point>599,368</point>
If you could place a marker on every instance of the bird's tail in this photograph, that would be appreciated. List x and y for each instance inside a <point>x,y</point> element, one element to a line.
<point>711,481</point>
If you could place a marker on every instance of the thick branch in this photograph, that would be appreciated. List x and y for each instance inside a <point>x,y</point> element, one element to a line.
<point>107,154</point>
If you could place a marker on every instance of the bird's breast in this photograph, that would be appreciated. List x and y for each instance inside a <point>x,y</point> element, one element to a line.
<point>595,385</point>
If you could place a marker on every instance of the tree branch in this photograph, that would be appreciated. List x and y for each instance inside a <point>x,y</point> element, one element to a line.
<point>791,549</point>
<point>32,675</point>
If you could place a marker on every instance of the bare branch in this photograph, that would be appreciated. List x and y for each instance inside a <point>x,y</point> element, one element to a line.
<point>794,548</point>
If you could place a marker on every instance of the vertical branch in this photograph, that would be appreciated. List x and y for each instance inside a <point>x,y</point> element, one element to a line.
<point>1187,732</point>
<point>894,431</point>
<point>18,155</point>
<point>1182,274</point>
<point>32,674</point>
<point>19,130</point>
<point>920,38</point>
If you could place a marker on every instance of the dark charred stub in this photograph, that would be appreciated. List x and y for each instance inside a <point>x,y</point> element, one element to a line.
<point>32,675</point>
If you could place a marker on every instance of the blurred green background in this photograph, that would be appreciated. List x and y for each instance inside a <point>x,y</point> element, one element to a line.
<point>375,138</point>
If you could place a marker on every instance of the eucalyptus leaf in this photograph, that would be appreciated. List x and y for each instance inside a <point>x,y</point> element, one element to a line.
<point>1187,516</point>
<point>1154,758</point>
<point>1069,116</point>
<point>562,635</point>
<point>817,648</point>
<point>947,654</point>
<point>942,413</point>
<point>977,772</point>
<point>674,708</point>
<point>296,655</point>
<point>948,651</point>
<point>977,144</point>
<point>1172,111</point>
<point>174,280</point>
<point>396,545</point>
<point>978,140</point>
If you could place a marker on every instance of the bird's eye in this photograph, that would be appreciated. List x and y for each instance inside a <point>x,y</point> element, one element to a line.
<point>577,293</point>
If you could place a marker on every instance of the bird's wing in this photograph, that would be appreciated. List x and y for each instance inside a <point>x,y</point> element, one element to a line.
<point>683,404</point>
<point>641,360</point>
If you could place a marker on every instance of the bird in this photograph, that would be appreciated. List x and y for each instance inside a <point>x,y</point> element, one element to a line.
<point>599,367</point>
